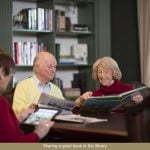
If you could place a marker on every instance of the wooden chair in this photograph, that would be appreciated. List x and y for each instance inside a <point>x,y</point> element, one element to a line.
<point>138,119</point>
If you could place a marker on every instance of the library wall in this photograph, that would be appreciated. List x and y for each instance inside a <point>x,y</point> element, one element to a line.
<point>67,41</point>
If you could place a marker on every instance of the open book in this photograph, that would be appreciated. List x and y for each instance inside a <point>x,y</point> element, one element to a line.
<point>105,104</point>
<point>119,96</point>
<point>49,101</point>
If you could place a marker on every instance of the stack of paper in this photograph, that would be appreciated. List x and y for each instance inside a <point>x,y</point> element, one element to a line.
<point>78,118</point>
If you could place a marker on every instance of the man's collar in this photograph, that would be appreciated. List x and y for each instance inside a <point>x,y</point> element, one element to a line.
<point>38,81</point>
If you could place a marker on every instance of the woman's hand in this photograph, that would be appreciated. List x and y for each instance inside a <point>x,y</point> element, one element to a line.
<point>27,112</point>
<point>79,101</point>
<point>86,95</point>
<point>43,128</point>
<point>137,99</point>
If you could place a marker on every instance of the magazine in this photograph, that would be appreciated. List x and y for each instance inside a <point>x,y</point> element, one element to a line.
<point>49,101</point>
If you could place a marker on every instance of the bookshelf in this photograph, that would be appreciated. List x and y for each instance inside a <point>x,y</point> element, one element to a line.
<point>32,29</point>
<point>77,12</point>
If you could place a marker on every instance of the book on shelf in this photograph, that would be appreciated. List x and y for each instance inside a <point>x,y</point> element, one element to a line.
<point>24,52</point>
<point>71,93</point>
<point>57,52</point>
<point>80,81</point>
<point>60,20</point>
<point>66,59</point>
<point>80,27</point>
<point>34,19</point>
<point>68,24</point>
<point>58,82</point>
<point>80,53</point>
<point>105,104</point>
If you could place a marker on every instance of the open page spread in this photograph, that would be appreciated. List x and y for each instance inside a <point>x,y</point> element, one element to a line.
<point>49,101</point>
<point>105,104</point>
<point>119,96</point>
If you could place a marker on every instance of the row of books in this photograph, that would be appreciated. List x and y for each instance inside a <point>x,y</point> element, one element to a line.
<point>42,19</point>
<point>34,19</point>
<point>25,52</point>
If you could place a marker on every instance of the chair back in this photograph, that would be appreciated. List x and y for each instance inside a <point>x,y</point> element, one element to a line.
<point>138,119</point>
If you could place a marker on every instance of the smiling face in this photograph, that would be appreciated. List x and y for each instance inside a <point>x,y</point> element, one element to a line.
<point>106,70</point>
<point>45,67</point>
<point>105,76</point>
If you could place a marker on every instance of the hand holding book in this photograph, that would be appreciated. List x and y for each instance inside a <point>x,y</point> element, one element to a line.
<point>136,97</point>
<point>120,96</point>
<point>83,97</point>
<point>116,101</point>
<point>88,96</point>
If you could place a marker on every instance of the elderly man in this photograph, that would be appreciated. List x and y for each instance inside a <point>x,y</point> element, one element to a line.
<point>28,91</point>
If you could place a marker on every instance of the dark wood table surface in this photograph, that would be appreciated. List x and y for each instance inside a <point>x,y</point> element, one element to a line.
<point>113,130</point>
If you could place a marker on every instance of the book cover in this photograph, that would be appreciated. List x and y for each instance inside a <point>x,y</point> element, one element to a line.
<point>57,52</point>
<point>66,59</point>
<point>80,81</point>
<point>80,53</point>
<point>105,104</point>
<point>118,96</point>
<point>71,93</point>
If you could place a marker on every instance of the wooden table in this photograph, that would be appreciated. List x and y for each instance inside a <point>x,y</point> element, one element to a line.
<point>114,130</point>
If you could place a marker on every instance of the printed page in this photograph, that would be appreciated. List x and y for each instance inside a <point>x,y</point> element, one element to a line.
<point>118,96</point>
